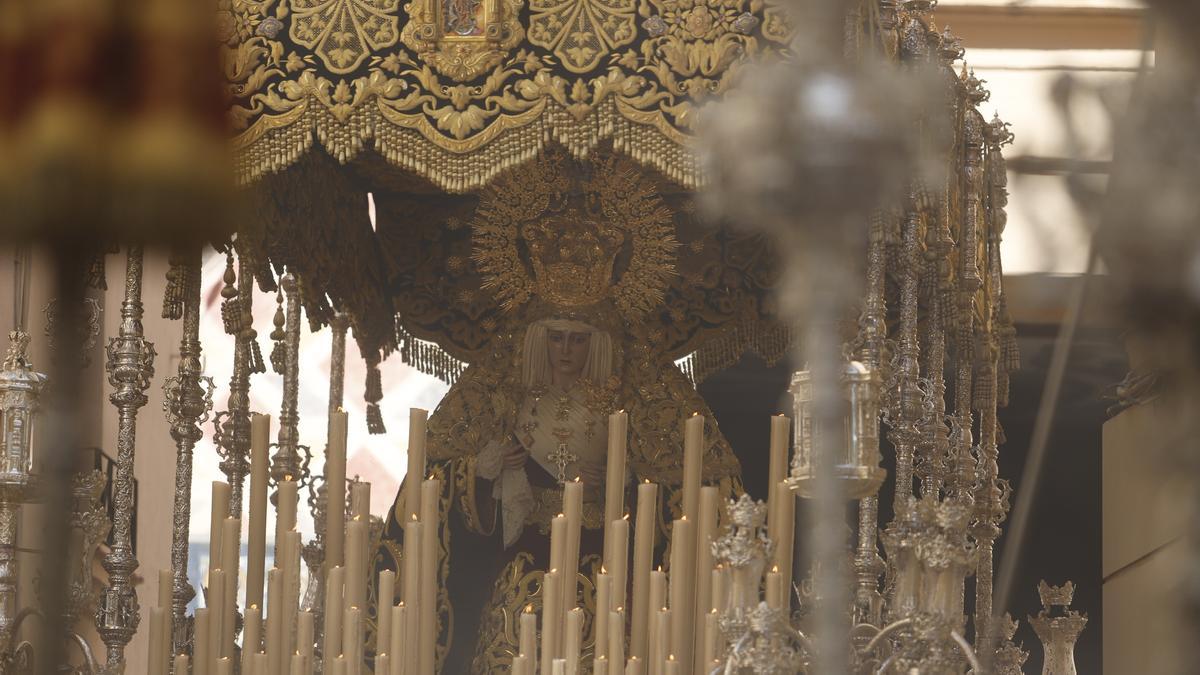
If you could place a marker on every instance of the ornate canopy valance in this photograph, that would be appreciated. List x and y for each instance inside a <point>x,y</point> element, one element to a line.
<point>458,90</point>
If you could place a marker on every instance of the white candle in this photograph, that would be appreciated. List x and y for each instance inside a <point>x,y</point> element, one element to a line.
<point>299,666</point>
<point>693,452</point>
<point>616,642</point>
<point>231,558</point>
<point>571,641</point>
<point>356,564</point>
<point>181,664</point>
<point>711,636</point>
<point>673,666</point>
<point>706,531</point>
<point>332,633</point>
<point>431,491</point>
<point>287,500</point>
<point>634,666</point>
<point>643,554</point>
<point>157,652</point>
<point>657,602</point>
<point>399,627</point>
<point>251,637</point>
<point>777,469</point>
<point>786,531</point>
<point>682,590</point>
<point>412,596</point>
<point>202,644</point>
<point>335,490</point>
<point>383,664</point>
<point>600,665</point>
<point>774,589</point>
<point>416,460</point>
<point>661,639</point>
<point>573,510</point>
<point>352,639</point>
<point>217,616</point>
<point>520,665</point>
<point>720,590</point>
<point>165,581</point>
<point>550,622</point>
<point>360,499</point>
<point>275,621</point>
<point>528,640</point>
<point>552,613</point>
<point>339,666</point>
<point>224,666</point>
<point>560,667</point>
<point>614,486</point>
<point>291,591</point>
<point>603,602</point>
<point>260,438</point>
<point>259,664</point>
<point>383,608</point>
<point>305,640</point>
<point>218,512</point>
<point>619,563</point>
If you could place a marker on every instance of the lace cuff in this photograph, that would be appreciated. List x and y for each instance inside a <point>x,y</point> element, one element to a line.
<point>489,462</point>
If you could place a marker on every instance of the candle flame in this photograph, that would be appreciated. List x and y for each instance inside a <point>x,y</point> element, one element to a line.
<point>529,608</point>
<point>775,568</point>
<point>625,517</point>
<point>602,570</point>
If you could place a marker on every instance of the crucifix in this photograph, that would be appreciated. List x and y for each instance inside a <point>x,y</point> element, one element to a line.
<point>561,455</point>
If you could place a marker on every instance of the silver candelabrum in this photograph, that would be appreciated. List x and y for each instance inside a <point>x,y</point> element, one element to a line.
<point>187,401</point>
<point>130,366</point>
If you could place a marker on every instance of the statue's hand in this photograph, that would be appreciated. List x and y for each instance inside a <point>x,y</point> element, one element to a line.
<point>515,456</point>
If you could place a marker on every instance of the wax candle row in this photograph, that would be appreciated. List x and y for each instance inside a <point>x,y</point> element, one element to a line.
<point>285,642</point>
<point>674,616</point>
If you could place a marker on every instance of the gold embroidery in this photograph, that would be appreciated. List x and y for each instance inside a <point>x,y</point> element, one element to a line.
<point>581,32</point>
<point>343,33</point>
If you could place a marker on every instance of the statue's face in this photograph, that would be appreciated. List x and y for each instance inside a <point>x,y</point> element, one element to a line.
<point>568,351</point>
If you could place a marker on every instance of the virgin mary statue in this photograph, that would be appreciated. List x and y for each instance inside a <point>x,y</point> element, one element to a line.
<point>576,264</point>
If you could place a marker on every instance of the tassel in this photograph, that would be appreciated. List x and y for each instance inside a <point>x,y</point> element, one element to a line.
<point>373,395</point>
<point>177,278</point>
<point>1002,383</point>
<point>232,313</point>
<point>256,358</point>
<point>375,420</point>
<point>1010,353</point>
<point>279,351</point>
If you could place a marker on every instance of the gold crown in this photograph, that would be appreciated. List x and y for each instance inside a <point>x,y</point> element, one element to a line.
<point>572,258</point>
